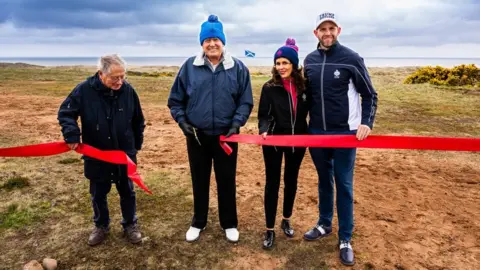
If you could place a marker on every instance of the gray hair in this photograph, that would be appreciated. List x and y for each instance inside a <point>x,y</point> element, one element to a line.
<point>107,61</point>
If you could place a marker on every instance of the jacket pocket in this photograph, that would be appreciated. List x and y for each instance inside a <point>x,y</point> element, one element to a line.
<point>232,87</point>
<point>192,99</point>
<point>98,170</point>
<point>129,138</point>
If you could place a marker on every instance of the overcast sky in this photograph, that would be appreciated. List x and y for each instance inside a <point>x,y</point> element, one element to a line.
<point>374,28</point>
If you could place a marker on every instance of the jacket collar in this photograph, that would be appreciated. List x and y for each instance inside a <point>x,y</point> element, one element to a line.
<point>97,84</point>
<point>200,60</point>
<point>331,50</point>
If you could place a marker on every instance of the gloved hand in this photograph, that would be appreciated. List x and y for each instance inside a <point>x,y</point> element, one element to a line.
<point>235,129</point>
<point>186,128</point>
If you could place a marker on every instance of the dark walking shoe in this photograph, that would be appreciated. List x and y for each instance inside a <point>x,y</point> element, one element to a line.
<point>287,229</point>
<point>97,236</point>
<point>317,232</point>
<point>346,253</point>
<point>269,239</point>
<point>132,232</point>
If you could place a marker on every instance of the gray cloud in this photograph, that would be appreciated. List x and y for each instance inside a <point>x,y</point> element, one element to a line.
<point>449,23</point>
<point>153,22</point>
<point>94,14</point>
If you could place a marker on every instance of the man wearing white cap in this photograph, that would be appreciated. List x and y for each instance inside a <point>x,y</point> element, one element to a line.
<point>343,102</point>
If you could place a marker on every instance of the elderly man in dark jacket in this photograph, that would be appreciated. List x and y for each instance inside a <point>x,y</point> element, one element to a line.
<point>111,119</point>
<point>212,96</point>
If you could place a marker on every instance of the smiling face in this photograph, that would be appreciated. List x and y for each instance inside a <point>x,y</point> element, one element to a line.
<point>213,48</point>
<point>284,67</point>
<point>327,34</point>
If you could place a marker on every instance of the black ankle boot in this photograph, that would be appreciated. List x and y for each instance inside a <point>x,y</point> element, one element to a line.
<point>269,239</point>
<point>287,229</point>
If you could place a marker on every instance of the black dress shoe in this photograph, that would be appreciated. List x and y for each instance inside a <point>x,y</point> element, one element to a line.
<point>287,229</point>
<point>346,253</point>
<point>269,239</point>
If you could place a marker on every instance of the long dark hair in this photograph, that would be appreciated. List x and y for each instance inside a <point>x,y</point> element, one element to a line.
<point>297,75</point>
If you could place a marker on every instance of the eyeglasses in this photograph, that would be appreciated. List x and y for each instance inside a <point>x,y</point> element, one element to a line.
<point>118,78</point>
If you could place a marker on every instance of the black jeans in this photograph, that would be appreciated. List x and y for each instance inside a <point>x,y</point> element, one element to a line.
<point>200,158</point>
<point>99,190</point>
<point>273,164</point>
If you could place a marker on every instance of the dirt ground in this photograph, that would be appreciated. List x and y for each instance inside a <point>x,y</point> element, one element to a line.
<point>413,209</point>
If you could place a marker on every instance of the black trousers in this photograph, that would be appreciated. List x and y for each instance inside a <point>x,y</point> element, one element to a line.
<point>99,190</point>
<point>200,158</point>
<point>273,164</point>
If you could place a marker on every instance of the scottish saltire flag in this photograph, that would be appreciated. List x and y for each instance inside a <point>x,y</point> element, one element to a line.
<point>249,53</point>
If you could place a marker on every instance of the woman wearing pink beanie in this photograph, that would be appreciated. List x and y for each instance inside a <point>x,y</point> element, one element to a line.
<point>282,110</point>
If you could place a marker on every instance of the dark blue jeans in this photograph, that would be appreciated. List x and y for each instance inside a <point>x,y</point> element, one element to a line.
<point>338,164</point>
<point>99,190</point>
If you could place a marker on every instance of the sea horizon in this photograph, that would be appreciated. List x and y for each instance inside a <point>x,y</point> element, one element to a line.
<point>256,61</point>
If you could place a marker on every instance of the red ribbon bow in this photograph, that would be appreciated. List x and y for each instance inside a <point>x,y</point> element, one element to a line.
<point>55,148</point>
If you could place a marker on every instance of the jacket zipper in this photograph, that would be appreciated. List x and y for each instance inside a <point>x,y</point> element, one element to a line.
<point>213,103</point>
<point>292,117</point>
<point>321,88</point>
<point>268,115</point>
<point>274,123</point>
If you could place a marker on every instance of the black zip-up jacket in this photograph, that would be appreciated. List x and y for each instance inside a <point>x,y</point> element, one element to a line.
<point>110,120</point>
<point>337,78</point>
<point>275,111</point>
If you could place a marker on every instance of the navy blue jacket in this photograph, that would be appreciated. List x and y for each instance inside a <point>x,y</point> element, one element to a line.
<point>110,120</point>
<point>212,101</point>
<point>337,78</point>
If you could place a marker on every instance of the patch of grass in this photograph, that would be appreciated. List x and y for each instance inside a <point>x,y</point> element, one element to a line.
<point>69,161</point>
<point>16,182</point>
<point>154,74</point>
<point>15,217</point>
<point>423,109</point>
<point>164,218</point>
<point>309,255</point>
<point>45,74</point>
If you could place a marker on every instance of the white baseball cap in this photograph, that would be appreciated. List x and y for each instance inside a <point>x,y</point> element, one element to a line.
<point>326,16</point>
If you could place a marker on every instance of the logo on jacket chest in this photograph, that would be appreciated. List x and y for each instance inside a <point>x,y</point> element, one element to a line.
<point>336,74</point>
<point>304,97</point>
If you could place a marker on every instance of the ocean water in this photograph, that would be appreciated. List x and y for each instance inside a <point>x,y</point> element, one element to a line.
<point>258,61</point>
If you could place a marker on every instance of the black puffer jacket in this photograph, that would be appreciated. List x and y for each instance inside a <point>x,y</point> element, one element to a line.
<point>275,111</point>
<point>110,120</point>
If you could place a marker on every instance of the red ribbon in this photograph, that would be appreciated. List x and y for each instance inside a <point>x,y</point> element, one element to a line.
<point>55,148</point>
<point>350,141</point>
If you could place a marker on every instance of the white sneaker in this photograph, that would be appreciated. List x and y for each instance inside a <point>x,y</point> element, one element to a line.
<point>193,234</point>
<point>232,234</point>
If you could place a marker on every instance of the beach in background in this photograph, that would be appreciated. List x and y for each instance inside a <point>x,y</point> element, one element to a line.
<point>257,61</point>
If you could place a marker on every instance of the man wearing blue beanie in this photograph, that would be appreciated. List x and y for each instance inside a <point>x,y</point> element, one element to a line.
<point>212,96</point>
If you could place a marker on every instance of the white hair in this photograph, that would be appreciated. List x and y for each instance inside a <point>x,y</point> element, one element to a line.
<point>106,62</point>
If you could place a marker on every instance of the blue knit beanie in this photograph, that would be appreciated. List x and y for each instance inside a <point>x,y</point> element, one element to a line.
<point>289,51</point>
<point>212,28</point>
